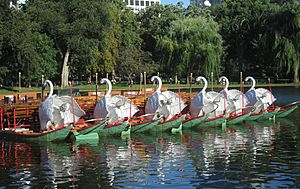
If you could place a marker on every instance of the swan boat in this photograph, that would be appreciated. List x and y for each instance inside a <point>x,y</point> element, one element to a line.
<point>261,99</point>
<point>237,112</point>
<point>58,134</point>
<point>118,109</point>
<point>121,113</point>
<point>56,120</point>
<point>198,108</point>
<point>167,104</point>
<point>214,104</point>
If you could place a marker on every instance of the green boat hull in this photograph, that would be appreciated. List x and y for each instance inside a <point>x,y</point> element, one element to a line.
<point>90,136</point>
<point>254,117</point>
<point>144,127</point>
<point>167,126</point>
<point>114,130</point>
<point>93,129</point>
<point>53,135</point>
<point>238,119</point>
<point>268,115</point>
<point>211,123</point>
<point>194,122</point>
<point>284,113</point>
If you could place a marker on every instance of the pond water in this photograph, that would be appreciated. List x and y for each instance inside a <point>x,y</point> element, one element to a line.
<point>251,155</point>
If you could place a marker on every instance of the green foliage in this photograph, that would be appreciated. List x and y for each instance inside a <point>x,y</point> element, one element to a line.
<point>24,50</point>
<point>192,45</point>
<point>133,60</point>
<point>105,37</point>
<point>260,35</point>
<point>286,27</point>
<point>182,39</point>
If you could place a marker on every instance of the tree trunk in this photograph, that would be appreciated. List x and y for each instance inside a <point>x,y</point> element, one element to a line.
<point>65,70</point>
<point>296,73</point>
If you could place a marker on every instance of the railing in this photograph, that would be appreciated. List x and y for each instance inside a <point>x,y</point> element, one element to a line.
<point>16,117</point>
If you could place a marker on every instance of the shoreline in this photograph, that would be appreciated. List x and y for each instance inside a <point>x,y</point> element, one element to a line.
<point>137,87</point>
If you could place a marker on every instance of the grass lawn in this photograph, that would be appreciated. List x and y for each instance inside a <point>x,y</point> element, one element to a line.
<point>125,87</point>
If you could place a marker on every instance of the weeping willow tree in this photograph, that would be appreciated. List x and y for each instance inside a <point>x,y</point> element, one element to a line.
<point>287,37</point>
<point>191,45</point>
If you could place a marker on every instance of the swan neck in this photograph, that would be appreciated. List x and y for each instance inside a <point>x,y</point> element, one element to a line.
<point>253,83</point>
<point>205,84</point>
<point>107,81</point>
<point>226,82</point>
<point>158,89</point>
<point>51,88</point>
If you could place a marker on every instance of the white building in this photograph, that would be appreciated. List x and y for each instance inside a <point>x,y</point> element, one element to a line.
<point>137,5</point>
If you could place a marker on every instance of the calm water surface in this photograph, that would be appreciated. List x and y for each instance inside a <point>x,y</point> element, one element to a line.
<point>251,155</point>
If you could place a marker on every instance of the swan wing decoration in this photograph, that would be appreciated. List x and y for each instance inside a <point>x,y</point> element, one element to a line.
<point>155,101</point>
<point>175,103</point>
<point>218,100</point>
<point>66,110</point>
<point>121,106</point>
<point>115,107</point>
<point>238,99</point>
<point>213,96</point>
<point>265,96</point>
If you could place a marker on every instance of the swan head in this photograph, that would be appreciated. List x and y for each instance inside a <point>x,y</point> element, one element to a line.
<point>105,80</point>
<point>249,77</point>
<point>50,85</point>
<point>201,78</point>
<point>153,78</point>
<point>253,81</point>
<point>223,78</point>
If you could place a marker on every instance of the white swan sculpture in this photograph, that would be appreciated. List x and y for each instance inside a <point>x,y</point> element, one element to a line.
<point>164,103</point>
<point>202,103</point>
<point>236,99</point>
<point>115,107</point>
<point>58,111</point>
<point>260,98</point>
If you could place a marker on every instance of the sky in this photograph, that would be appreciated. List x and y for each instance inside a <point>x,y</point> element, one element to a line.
<point>185,2</point>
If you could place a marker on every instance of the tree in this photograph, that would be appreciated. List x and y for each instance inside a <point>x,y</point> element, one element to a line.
<point>286,27</point>
<point>24,49</point>
<point>192,45</point>
<point>133,60</point>
<point>84,32</point>
<point>243,25</point>
<point>176,35</point>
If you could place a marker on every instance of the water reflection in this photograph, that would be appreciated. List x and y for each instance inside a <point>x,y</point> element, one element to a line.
<point>250,155</point>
